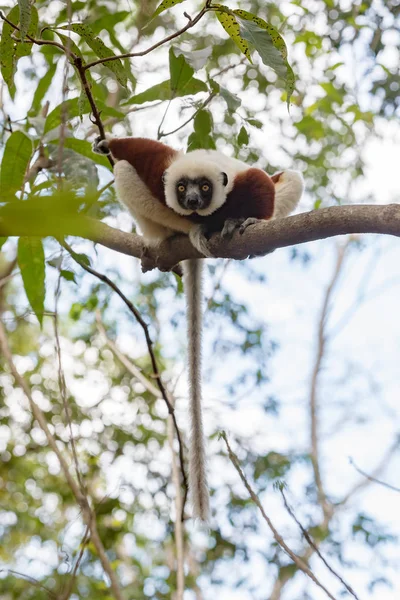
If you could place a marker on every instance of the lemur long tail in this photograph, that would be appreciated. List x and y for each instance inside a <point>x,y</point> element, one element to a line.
<point>198,488</point>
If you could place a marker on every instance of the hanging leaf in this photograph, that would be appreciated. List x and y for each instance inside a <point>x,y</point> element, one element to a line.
<point>41,89</point>
<point>32,265</point>
<point>233,102</point>
<point>7,50</point>
<point>180,71</point>
<point>101,50</point>
<point>25,48</point>
<point>69,43</point>
<point>243,137</point>
<point>231,26</point>
<point>63,113</point>
<point>24,17</point>
<point>196,58</point>
<point>162,91</point>
<point>270,45</point>
<point>164,6</point>
<point>16,157</point>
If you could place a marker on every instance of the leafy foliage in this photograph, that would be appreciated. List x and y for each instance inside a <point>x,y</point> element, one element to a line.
<point>210,95</point>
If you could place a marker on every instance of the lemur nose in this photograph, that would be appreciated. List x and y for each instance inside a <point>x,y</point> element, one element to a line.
<point>193,202</point>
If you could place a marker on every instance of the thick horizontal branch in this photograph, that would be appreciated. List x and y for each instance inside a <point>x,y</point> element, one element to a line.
<point>259,239</point>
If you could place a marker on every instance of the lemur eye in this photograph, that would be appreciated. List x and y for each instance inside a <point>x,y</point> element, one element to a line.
<point>205,187</point>
<point>181,188</point>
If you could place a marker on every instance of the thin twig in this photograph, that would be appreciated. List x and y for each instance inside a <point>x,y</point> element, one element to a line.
<point>191,118</point>
<point>31,580</point>
<point>389,486</point>
<point>63,387</point>
<point>298,561</point>
<point>321,346</point>
<point>170,37</point>
<point>314,545</point>
<point>150,350</point>
<point>71,582</point>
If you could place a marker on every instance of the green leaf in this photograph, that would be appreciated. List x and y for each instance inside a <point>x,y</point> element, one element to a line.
<point>7,50</point>
<point>85,149</point>
<point>24,17</point>
<point>317,204</point>
<point>3,241</point>
<point>180,71</point>
<point>231,26</point>
<point>25,48</point>
<point>64,112</point>
<point>41,89</point>
<point>233,102</point>
<point>101,50</point>
<point>243,137</point>
<point>16,157</point>
<point>270,45</point>
<point>255,123</point>
<point>203,122</point>
<point>68,275</point>
<point>32,265</point>
<point>164,6</point>
<point>162,91</point>
<point>196,58</point>
<point>69,43</point>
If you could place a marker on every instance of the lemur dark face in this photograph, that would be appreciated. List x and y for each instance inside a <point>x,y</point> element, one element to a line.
<point>194,194</point>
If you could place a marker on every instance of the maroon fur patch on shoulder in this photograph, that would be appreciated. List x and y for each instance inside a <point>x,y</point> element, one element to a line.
<point>252,195</point>
<point>148,157</point>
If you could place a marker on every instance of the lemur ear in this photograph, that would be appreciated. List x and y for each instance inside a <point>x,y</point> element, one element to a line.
<point>224,179</point>
<point>164,177</point>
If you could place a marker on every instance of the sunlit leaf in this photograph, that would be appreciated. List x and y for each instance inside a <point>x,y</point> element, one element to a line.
<point>16,157</point>
<point>231,26</point>
<point>195,58</point>
<point>25,48</point>
<point>180,71</point>
<point>162,91</point>
<point>42,87</point>
<point>165,5</point>
<point>24,16</point>
<point>7,50</point>
<point>233,102</point>
<point>31,262</point>
<point>243,137</point>
<point>270,45</point>
<point>101,50</point>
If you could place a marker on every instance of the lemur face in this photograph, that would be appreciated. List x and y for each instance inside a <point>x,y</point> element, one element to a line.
<point>194,194</point>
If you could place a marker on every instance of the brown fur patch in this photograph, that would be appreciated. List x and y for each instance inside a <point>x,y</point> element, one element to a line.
<point>275,178</point>
<point>252,196</point>
<point>148,157</point>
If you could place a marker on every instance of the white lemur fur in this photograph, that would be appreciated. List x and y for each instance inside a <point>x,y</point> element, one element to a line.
<point>147,174</point>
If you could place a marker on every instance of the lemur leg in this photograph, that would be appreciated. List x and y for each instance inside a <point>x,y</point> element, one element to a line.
<point>199,239</point>
<point>289,186</point>
<point>231,225</point>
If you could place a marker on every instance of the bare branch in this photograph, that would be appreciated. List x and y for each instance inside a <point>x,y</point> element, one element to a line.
<point>298,561</point>
<point>189,24</point>
<point>321,346</point>
<point>314,545</point>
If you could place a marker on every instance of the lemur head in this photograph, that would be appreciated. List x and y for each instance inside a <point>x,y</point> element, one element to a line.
<point>194,185</point>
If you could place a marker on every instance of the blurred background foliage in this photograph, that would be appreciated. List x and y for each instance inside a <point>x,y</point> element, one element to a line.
<point>346,93</point>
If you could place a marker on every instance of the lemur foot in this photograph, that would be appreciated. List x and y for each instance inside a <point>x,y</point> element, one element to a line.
<point>231,225</point>
<point>199,239</point>
<point>100,146</point>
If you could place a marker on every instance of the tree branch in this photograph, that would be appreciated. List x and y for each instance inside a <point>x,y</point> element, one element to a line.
<point>298,561</point>
<point>259,239</point>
